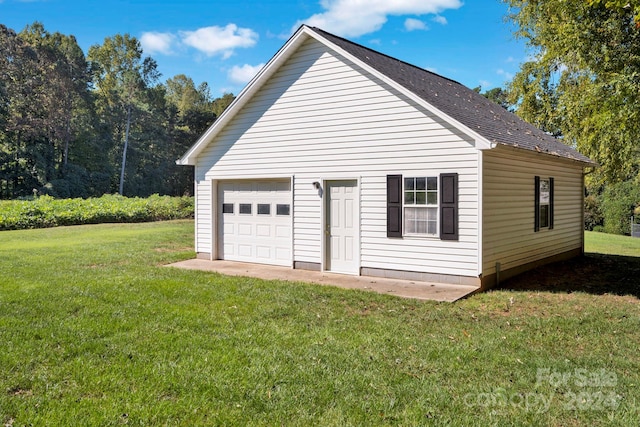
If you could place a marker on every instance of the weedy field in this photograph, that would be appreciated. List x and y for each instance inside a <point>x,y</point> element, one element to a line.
<point>96,331</point>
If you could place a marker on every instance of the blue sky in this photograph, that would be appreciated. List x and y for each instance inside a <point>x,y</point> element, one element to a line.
<point>224,42</point>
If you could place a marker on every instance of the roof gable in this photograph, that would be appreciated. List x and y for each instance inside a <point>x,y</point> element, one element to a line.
<point>488,122</point>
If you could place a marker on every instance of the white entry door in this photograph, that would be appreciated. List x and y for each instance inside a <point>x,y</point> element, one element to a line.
<point>341,232</point>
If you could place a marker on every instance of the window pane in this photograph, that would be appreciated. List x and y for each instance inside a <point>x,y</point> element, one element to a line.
<point>432,216</point>
<point>409,183</point>
<point>544,216</point>
<point>409,197</point>
<point>421,198</point>
<point>227,208</point>
<point>264,209</point>
<point>420,220</point>
<point>544,191</point>
<point>421,214</point>
<point>421,183</point>
<point>410,214</point>
<point>245,208</point>
<point>432,227</point>
<point>282,210</point>
<point>432,183</point>
<point>432,198</point>
<point>409,220</point>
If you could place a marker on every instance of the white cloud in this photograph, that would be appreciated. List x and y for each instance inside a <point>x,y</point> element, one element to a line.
<point>353,18</point>
<point>153,42</point>
<point>412,24</point>
<point>440,19</point>
<point>216,40</point>
<point>507,75</point>
<point>484,84</point>
<point>243,74</point>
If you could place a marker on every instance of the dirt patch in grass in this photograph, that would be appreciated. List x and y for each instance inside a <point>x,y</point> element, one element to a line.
<point>592,273</point>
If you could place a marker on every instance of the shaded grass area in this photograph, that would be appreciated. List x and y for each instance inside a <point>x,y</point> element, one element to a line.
<point>611,265</point>
<point>96,332</point>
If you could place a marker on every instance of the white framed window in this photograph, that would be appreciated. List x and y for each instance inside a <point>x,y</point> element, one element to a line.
<point>543,213</point>
<point>545,201</point>
<point>420,205</point>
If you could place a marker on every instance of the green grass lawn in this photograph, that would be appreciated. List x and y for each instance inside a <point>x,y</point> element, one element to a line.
<point>94,331</point>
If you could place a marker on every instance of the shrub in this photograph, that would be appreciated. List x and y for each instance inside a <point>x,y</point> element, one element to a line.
<point>47,211</point>
<point>592,213</point>
<point>618,204</point>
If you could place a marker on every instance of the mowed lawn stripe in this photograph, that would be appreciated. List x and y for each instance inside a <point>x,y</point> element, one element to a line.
<point>96,332</point>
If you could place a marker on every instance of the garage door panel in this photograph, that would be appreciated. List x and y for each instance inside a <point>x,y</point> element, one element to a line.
<point>245,229</point>
<point>261,230</point>
<point>263,252</point>
<point>283,254</point>
<point>245,250</point>
<point>283,231</point>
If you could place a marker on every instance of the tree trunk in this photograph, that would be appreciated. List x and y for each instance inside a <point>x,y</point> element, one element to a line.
<point>124,151</point>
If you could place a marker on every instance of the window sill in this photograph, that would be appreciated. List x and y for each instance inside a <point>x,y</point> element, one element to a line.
<point>421,236</point>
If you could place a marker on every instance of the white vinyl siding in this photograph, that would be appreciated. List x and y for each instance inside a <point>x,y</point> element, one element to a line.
<point>424,254</point>
<point>203,212</point>
<point>320,117</point>
<point>508,221</point>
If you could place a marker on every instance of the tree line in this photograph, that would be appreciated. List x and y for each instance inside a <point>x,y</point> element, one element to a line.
<point>581,83</point>
<point>76,125</point>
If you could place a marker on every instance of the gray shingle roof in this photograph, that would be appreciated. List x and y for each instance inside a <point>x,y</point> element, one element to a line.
<point>473,110</point>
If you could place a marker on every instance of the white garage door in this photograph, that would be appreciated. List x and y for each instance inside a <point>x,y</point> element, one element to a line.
<point>254,221</point>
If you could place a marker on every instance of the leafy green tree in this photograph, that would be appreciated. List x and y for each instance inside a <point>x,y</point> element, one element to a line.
<point>66,121</point>
<point>192,113</point>
<point>45,103</point>
<point>618,205</point>
<point>121,77</point>
<point>221,104</point>
<point>629,5</point>
<point>583,82</point>
<point>182,93</point>
<point>497,95</point>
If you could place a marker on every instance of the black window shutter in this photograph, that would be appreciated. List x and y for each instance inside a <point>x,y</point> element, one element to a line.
<point>394,205</point>
<point>550,203</point>
<point>449,206</point>
<point>536,211</point>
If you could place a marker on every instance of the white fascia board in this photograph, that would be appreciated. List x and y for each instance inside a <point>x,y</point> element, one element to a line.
<point>189,158</point>
<point>482,143</point>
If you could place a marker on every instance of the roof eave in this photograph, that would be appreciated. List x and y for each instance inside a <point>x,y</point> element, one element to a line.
<point>584,163</point>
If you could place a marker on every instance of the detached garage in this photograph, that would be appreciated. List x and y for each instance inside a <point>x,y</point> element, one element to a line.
<point>338,158</point>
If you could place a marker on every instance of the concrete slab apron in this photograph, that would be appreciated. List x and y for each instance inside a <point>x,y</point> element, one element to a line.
<point>400,288</point>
